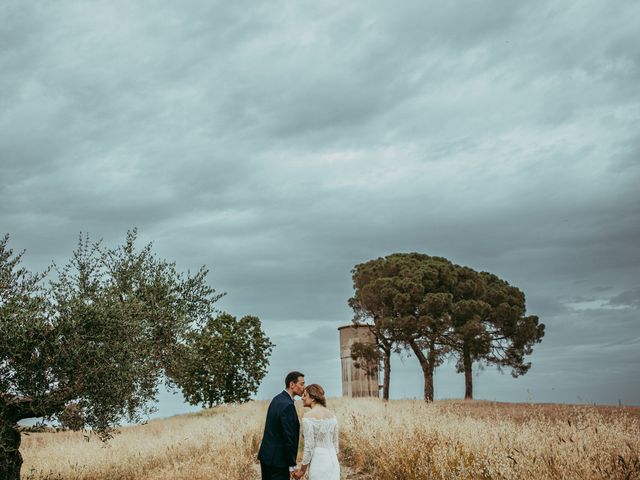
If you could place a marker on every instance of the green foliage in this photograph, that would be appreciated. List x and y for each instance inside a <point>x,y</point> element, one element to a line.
<point>512,332</point>
<point>366,357</point>
<point>72,417</point>
<point>405,294</point>
<point>407,297</point>
<point>224,362</point>
<point>23,321</point>
<point>101,335</point>
<point>92,345</point>
<point>433,305</point>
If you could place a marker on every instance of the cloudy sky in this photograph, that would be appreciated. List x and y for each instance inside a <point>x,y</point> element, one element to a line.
<point>281,143</point>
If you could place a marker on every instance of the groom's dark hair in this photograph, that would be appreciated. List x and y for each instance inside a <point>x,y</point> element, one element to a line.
<point>292,377</point>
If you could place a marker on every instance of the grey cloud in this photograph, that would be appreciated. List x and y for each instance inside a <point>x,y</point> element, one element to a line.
<point>328,334</point>
<point>546,307</point>
<point>282,144</point>
<point>602,288</point>
<point>628,298</point>
<point>626,157</point>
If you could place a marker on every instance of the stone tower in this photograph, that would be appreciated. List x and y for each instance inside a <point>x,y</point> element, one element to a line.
<point>355,381</point>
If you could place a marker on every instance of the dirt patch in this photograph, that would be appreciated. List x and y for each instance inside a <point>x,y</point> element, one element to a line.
<point>346,473</point>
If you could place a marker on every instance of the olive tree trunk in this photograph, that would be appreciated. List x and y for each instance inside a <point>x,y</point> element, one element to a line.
<point>12,410</point>
<point>10,457</point>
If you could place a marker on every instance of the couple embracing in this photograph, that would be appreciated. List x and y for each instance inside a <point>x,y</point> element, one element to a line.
<point>279,447</point>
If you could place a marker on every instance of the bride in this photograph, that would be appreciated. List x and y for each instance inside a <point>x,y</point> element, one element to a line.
<point>320,430</point>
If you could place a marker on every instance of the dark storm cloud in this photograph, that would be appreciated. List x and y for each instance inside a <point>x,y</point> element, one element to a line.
<point>281,144</point>
<point>628,298</point>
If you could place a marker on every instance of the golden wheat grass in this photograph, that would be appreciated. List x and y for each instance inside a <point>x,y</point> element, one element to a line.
<point>405,439</point>
<point>215,444</point>
<point>412,440</point>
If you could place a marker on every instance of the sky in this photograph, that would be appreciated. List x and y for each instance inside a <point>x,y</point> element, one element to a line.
<point>281,143</point>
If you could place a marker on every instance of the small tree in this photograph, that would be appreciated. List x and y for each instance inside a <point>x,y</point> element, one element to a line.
<point>368,357</point>
<point>224,362</point>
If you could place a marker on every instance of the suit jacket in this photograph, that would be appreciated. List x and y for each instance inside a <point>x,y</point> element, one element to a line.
<point>279,447</point>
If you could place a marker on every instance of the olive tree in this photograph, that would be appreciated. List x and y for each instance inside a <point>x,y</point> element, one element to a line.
<point>101,335</point>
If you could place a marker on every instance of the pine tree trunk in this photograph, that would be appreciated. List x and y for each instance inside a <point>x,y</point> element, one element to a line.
<point>427,370</point>
<point>387,375</point>
<point>10,457</point>
<point>428,383</point>
<point>431,368</point>
<point>468,377</point>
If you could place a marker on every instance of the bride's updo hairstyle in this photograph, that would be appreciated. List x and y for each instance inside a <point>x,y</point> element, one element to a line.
<point>316,392</point>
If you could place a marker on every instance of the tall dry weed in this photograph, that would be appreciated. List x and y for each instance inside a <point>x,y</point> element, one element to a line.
<point>408,440</point>
<point>215,444</point>
<point>414,440</point>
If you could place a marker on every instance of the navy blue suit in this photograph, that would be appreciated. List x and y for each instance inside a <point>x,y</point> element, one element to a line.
<point>279,447</point>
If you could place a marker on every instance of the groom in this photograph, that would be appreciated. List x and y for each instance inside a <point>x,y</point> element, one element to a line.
<point>279,448</point>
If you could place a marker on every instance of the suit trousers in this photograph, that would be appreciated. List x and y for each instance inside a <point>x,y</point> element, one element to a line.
<point>270,472</point>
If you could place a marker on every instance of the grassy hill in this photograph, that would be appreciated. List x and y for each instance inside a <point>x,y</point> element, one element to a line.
<point>404,439</point>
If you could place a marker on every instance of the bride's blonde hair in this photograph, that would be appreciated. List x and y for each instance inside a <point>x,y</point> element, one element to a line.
<point>316,392</point>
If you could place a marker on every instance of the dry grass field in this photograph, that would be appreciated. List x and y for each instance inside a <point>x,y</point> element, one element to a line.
<point>404,439</point>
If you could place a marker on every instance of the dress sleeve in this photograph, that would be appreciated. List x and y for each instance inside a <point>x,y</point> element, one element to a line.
<point>309,441</point>
<point>335,437</point>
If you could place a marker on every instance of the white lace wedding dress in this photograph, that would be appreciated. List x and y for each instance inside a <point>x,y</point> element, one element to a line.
<point>321,448</point>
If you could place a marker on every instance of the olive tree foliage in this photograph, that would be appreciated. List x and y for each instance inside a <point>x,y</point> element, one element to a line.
<point>224,362</point>
<point>22,339</point>
<point>71,417</point>
<point>101,335</point>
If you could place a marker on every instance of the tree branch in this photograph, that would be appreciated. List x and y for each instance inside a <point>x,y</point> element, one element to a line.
<point>16,408</point>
